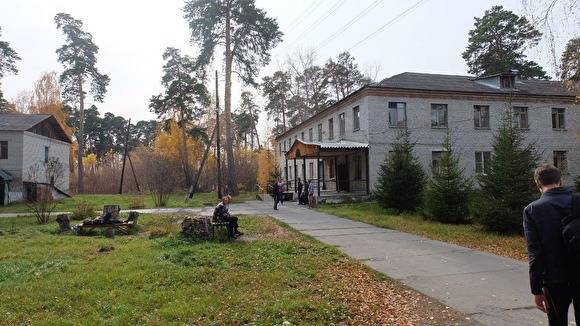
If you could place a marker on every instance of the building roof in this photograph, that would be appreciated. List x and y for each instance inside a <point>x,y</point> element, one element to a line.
<point>36,123</point>
<point>457,83</point>
<point>5,175</point>
<point>20,122</point>
<point>341,144</point>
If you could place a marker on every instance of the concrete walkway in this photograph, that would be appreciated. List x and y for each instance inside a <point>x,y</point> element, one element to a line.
<point>491,289</point>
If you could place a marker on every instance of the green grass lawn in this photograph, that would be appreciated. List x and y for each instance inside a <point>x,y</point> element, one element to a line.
<point>156,277</point>
<point>467,235</point>
<point>176,200</point>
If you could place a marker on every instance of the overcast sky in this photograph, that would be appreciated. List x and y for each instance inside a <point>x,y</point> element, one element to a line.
<point>132,35</point>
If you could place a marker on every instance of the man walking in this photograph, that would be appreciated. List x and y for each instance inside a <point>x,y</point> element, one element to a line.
<point>554,277</point>
<point>278,193</point>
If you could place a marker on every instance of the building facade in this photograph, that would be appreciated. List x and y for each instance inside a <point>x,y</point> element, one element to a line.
<point>342,147</point>
<point>34,152</point>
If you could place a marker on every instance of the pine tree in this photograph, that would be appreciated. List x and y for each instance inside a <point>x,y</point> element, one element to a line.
<point>8,58</point>
<point>447,193</point>
<point>509,185</point>
<point>401,177</point>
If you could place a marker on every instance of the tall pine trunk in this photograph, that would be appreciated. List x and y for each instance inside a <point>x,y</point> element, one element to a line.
<point>232,184</point>
<point>81,139</point>
<point>184,155</point>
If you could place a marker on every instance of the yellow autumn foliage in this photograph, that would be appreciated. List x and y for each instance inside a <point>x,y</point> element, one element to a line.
<point>169,144</point>
<point>266,164</point>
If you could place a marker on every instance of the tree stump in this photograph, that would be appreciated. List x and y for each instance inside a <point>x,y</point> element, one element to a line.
<point>111,212</point>
<point>63,222</point>
<point>196,226</point>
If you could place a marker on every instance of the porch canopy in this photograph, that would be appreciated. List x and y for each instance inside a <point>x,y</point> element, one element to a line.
<point>319,150</point>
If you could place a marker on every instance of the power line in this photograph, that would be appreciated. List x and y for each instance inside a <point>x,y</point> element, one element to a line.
<point>317,22</point>
<point>341,30</point>
<point>309,10</point>
<point>390,22</point>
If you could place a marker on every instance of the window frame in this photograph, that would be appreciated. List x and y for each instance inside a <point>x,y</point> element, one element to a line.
<point>517,113</point>
<point>3,149</point>
<point>341,125</point>
<point>436,108</point>
<point>559,118</point>
<point>485,157</point>
<point>331,129</point>
<point>320,132</point>
<point>477,117</point>
<point>435,166</point>
<point>46,154</point>
<point>356,118</point>
<point>357,166</point>
<point>562,162</point>
<point>310,135</point>
<point>302,136</point>
<point>395,106</point>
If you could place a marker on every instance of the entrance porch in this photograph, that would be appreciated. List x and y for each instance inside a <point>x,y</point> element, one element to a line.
<point>339,170</point>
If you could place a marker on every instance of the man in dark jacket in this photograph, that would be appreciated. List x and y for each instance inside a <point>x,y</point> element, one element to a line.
<point>553,281</point>
<point>300,187</point>
<point>221,213</point>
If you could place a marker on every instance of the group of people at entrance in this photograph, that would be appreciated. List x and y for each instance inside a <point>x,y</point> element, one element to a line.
<point>305,193</point>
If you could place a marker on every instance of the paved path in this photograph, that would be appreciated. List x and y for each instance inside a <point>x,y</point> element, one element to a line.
<point>493,290</point>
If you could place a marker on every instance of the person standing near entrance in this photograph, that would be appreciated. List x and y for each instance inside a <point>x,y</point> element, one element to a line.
<point>278,193</point>
<point>300,187</point>
<point>311,190</point>
<point>554,272</point>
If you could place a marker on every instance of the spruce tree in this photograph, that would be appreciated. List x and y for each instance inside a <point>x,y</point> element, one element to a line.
<point>509,185</point>
<point>447,193</point>
<point>401,177</point>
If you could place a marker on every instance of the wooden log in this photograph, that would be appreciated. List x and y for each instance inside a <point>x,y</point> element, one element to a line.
<point>63,222</point>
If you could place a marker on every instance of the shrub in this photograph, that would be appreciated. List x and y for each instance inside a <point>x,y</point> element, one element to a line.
<point>401,177</point>
<point>136,202</point>
<point>447,194</point>
<point>83,211</point>
<point>161,176</point>
<point>509,185</point>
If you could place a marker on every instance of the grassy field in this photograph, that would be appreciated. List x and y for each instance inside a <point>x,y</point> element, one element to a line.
<point>469,235</point>
<point>176,200</point>
<point>156,277</point>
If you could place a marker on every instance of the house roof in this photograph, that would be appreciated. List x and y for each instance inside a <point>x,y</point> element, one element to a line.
<point>29,122</point>
<point>458,83</point>
<point>20,122</point>
<point>305,149</point>
<point>5,175</point>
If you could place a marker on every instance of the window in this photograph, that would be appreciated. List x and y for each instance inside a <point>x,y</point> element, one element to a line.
<point>284,146</point>
<point>481,116</point>
<point>439,115</point>
<point>357,163</point>
<point>311,170</point>
<point>3,150</point>
<point>286,175</point>
<point>436,160</point>
<point>341,125</point>
<point>558,121</point>
<point>331,169</point>
<point>320,132</point>
<point>397,114</point>
<point>330,129</point>
<point>290,175</point>
<point>482,161</point>
<point>46,153</point>
<point>280,148</point>
<point>356,118</point>
<point>507,81</point>
<point>521,117</point>
<point>302,135</point>
<point>561,160</point>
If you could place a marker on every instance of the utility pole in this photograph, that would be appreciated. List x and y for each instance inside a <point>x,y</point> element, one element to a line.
<point>217,128</point>
<point>125,157</point>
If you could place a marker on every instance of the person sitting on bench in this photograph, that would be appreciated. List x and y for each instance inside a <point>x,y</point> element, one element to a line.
<point>221,214</point>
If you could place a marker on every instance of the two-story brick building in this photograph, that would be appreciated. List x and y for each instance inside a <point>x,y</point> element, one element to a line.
<point>342,147</point>
<point>34,152</point>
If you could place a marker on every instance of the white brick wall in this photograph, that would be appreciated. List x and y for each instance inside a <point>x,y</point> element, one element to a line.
<point>33,153</point>
<point>374,129</point>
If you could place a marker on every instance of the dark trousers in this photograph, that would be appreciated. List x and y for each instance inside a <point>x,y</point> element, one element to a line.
<point>559,297</point>
<point>232,224</point>
<point>277,199</point>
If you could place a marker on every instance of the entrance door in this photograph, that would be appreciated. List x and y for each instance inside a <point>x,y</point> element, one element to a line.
<point>342,177</point>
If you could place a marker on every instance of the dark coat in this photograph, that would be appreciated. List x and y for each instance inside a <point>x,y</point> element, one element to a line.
<point>549,260</point>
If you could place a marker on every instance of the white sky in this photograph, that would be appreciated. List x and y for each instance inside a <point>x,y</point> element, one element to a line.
<point>132,35</point>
